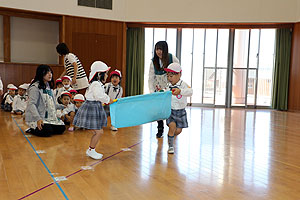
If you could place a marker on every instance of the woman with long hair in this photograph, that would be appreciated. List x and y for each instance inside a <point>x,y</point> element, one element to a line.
<point>40,114</point>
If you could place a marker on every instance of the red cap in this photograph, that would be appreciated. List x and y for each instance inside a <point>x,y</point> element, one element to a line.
<point>71,91</point>
<point>58,80</point>
<point>117,72</point>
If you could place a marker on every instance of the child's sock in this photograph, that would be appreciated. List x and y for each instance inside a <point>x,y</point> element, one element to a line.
<point>170,140</point>
<point>90,148</point>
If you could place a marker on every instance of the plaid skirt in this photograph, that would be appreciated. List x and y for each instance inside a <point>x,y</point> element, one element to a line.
<point>90,115</point>
<point>179,117</point>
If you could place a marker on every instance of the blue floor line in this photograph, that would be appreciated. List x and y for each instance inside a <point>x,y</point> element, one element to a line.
<point>59,187</point>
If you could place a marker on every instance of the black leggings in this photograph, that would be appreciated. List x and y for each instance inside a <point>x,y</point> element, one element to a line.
<point>48,130</point>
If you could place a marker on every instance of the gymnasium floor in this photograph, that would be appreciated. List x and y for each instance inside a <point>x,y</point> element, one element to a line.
<point>224,154</point>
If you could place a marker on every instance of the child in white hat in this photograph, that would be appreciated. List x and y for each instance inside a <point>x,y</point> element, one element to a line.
<point>20,101</point>
<point>9,98</point>
<point>91,114</point>
<point>78,101</point>
<point>180,92</point>
<point>114,90</point>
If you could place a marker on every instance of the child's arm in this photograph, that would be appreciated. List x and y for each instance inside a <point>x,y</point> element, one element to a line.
<point>185,90</point>
<point>14,104</point>
<point>99,93</point>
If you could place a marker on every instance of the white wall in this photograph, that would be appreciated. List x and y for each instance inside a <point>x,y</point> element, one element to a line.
<point>172,10</point>
<point>68,7</point>
<point>211,10</point>
<point>34,40</point>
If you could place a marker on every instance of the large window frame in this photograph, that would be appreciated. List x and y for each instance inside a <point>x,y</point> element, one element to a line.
<point>216,68</point>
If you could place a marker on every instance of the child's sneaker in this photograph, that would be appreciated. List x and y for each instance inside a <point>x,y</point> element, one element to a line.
<point>171,150</point>
<point>113,128</point>
<point>93,154</point>
<point>71,128</point>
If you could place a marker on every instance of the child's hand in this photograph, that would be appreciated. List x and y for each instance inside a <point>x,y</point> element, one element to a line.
<point>111,101</point>
<point>176,91</point>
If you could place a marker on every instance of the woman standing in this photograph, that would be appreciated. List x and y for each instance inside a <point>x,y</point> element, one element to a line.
<point>157,75</point>
<point>73,67</point>
<point>40,114</point>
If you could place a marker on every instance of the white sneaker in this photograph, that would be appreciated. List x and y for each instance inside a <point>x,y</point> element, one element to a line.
<point>93,154</point>
<point>113,128</point>
<point>171,150</point>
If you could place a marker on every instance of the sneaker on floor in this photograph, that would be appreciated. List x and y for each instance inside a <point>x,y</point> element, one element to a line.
<point>113,128</point>
<point>93,154</point>
<point>171,150</point>
<point>71,128</point>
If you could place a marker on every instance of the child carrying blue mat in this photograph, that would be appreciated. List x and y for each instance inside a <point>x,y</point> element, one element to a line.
<point>140,109</point>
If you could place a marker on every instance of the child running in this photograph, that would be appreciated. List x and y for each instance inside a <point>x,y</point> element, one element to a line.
<point>180,92</point>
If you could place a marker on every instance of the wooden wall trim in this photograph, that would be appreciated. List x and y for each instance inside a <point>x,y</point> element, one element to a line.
<point>209,25</point>
<point>6,38</point>
<point>29,14</point>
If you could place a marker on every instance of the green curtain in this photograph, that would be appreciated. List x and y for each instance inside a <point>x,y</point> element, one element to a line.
<point>282,69</point>
<point>135,61</point>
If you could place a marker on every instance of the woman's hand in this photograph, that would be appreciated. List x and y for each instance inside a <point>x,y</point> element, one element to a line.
<point>73,81</point>
<point>40,124</point>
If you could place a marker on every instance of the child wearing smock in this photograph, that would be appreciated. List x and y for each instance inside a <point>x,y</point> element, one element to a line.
<point>114,90</point>
<point>58,84</point>
<point>9,98</point>
<point>78,101</point>
<point>66,82</point>
<point>67,113</point>
<point>20,101</point>
<point>180,91</point>
<point>91,114</point>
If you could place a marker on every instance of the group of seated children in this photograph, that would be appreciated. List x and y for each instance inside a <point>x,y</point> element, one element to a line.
<point>15,99</point>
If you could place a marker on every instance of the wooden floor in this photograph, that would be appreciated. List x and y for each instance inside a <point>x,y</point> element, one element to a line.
<point>224,154</point>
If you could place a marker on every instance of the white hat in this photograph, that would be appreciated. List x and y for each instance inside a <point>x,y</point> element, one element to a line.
<point>66,77</point>
<point>98,66</point>
<point>79,97</point>
<point>24,86</point>
<point>174,67</point>
<point>11,87</point>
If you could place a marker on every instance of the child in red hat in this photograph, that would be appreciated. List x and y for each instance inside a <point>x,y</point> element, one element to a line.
<point>114,90</point>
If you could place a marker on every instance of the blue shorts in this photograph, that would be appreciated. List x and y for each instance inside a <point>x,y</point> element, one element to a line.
<point>179,117</point>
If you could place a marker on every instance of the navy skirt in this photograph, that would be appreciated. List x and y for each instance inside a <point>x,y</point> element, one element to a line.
<point>90,115</point>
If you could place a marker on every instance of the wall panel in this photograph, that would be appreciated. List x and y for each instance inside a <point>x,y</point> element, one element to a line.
<point>19,73</point>
<point>294,80</point>
<point>95,39</point>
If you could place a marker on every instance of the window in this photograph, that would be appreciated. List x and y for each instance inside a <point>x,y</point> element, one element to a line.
<point>205,55</point>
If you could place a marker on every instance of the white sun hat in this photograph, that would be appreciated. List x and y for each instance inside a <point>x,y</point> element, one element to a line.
<point>98,66</point>
<point>79,97</point>
<point>174,67</point>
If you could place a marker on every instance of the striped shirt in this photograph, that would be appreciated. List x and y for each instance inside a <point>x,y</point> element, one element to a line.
<point>69,60</point>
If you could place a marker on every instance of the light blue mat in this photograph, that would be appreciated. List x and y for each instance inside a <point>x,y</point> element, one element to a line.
<point>140,109</point>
